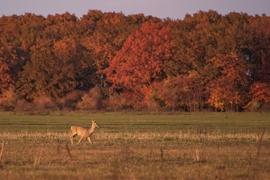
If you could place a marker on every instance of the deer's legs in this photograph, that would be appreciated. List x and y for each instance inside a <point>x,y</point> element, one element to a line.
<point>89,139</point>
<point>80,140</point>
<point>72,136</point>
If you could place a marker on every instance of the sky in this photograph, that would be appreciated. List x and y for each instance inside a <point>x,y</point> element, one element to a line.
<point>173,9</point>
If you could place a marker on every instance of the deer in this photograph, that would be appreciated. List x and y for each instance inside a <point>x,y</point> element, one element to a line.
<point>83,132</point>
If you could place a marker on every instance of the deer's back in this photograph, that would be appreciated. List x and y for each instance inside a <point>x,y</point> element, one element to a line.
<point>81,131</point>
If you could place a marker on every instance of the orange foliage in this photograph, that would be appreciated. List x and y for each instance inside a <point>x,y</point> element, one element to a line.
<point>181,91</point>
<point>139,63</point>
<point>206,57</point>
<point>260,91</point>
<point>227,89</point>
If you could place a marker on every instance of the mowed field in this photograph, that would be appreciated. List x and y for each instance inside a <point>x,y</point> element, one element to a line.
<point>136,146</point>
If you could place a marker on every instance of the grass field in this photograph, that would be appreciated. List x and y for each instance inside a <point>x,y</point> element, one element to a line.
<point>136,146</point>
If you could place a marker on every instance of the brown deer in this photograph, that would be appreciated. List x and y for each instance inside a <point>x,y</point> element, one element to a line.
<point>83,132</point>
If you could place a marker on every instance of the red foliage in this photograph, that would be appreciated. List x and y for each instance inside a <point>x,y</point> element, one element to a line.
<point>139,63</point>
<point>227,89</point>
<point>260,91</point>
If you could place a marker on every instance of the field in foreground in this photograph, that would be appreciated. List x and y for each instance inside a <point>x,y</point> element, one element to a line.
<point>136,146</point>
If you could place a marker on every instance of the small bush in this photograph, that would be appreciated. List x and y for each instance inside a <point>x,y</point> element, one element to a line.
<point>41,105</point>
<point>253,106</point>
<point>24,106</point>
<point>45,103</point>
<point>8,100</point>
<point>154,103</point>
<point>118,102</point>
<point>114,102</point>
<point>69,102</point>
<point>91,100</point>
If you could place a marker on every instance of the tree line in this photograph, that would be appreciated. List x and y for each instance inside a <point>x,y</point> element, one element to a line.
<point>113,61</point>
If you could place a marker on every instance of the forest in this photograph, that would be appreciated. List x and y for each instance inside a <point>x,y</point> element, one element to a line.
<point>111,61</point>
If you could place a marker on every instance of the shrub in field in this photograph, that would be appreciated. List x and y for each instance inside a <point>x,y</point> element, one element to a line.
<point>118,102</point>
<point>154,104</point>
<point>91,100</point>
<point>265,107</point>
<point>253,105</point>
<point>114,102</point>
<point>70,101</point>
<point>8,100</point>
<point>45,103</point>
<point>23,105</point>
<point>39,105</point>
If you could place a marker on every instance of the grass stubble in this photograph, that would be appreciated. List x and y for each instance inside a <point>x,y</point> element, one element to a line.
<point>194,154</point>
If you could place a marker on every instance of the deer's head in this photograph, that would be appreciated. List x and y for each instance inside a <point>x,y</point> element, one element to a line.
<point>95,124</point>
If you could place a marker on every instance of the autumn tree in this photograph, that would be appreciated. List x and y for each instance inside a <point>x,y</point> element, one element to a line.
<point>227,89</point>
<point>195,43</point>
<point>59,26</point>
<point>103,43</point>
<point>18,34</point>
<point>110,31</point>
<point>258,96</point>
<point>222,59</point>
<point>140,62</point>
<point>259,28</point>
<point>10,67</point>
<point>6,80</point>
<point>180,92</point>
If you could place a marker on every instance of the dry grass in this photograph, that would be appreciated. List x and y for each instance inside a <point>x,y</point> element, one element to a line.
<point>134,155</point>
<point>136,146</point>
<point>145,136</point>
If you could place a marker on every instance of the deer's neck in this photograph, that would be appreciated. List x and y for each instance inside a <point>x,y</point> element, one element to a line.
<point>92,129</point>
